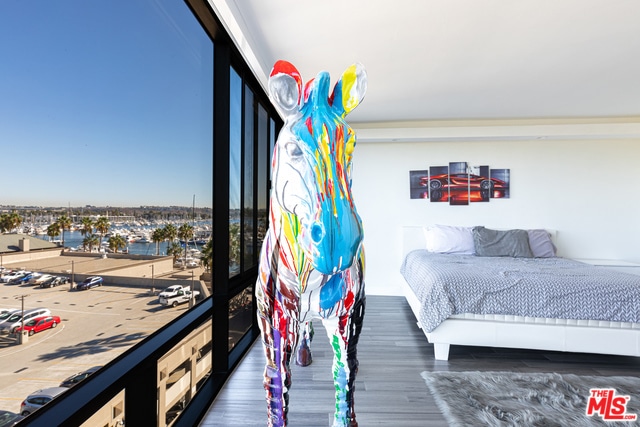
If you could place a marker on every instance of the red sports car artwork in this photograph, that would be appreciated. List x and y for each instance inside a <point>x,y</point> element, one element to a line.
<point>443,187</point>
<point>463,181</point>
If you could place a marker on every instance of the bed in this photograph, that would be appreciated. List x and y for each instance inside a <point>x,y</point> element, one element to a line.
<point>503,296</point>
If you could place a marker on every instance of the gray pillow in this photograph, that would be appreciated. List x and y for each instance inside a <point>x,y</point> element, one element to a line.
<point>541,244</point>
<point>513,243</point>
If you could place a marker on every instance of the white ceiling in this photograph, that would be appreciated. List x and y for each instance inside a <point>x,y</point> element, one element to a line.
<point>431,60</point>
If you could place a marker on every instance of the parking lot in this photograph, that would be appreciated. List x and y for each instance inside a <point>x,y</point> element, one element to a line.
<point>96,326</point>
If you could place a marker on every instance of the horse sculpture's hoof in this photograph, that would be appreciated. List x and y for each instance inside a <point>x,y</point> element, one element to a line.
<point>303,356</point>
<point>352,423</point>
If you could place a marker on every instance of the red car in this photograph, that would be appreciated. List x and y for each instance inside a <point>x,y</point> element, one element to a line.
<point>463,181</point>
<point>40,324</point>
<point>464,187</point>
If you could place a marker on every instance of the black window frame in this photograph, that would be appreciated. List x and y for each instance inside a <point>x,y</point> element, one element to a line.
<point>227,55</point>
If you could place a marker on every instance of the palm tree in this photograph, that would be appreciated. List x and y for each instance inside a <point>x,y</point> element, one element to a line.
<point>86,231</point>
<point>4,223</point>
<point>116,242</point>
<point>206,257</point>
<point>102,226</point>
<point>10,221</point>
<point>87,226</point>
<point>14,220</point>
<point>158,236</point>
<point>234,245</point>
<point>91,241</point>
<point>53,230</point>
<point>175,250</point>
<point>185,232</point>
<point>64,222</point>
<point>170,233</point>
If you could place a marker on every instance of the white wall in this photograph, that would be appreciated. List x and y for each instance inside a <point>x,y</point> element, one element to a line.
<point>586,190</point>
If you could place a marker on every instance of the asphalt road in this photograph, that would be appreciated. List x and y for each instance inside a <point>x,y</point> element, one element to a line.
<point>96,326</point>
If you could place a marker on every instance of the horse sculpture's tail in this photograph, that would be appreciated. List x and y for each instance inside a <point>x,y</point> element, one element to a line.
<point>312,262</point>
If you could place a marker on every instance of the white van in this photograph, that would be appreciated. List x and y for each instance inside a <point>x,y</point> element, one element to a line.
<point>10,325</point>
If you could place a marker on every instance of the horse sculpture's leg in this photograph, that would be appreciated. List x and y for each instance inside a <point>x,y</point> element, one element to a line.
<point>278,322</point>
<point>278,345</point>
<point>343,333</point>
<point>303,354</point>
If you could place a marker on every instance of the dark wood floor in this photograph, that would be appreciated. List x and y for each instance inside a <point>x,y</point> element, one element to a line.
<point>393,352</point>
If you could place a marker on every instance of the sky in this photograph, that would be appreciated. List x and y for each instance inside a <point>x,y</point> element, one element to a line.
<point>104,103</point>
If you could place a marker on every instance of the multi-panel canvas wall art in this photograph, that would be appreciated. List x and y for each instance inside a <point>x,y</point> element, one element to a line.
<point>459,183</point>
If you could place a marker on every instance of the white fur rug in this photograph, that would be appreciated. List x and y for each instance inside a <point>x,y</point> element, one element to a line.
<point>525,399</point>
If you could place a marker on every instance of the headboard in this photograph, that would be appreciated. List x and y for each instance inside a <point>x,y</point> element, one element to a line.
<point>412,238</point>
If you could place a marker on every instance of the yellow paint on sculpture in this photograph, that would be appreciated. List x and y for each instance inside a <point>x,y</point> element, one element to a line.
<point>348,81</point>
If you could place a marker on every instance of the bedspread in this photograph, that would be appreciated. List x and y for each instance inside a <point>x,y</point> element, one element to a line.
<point>559,288</point>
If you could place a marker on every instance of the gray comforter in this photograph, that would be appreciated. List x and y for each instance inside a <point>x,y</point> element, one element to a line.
<point>537,287</point>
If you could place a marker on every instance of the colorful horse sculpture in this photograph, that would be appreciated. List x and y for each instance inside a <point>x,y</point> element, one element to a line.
<point>312,260</point>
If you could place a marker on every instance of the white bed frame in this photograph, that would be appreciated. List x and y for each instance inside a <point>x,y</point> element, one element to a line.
<point>519,332</point>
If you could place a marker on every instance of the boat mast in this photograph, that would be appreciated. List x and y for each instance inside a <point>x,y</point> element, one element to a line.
<point>193,211</point>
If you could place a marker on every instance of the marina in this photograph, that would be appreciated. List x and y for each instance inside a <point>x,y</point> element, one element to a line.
<point>137,235</point>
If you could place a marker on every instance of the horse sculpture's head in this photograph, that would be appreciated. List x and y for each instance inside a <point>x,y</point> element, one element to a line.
<point>311,174</point>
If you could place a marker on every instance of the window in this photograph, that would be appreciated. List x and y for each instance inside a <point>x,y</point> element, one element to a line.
<point>248,218</point>
<point>135,106</point>
<point>235,171</point>
<point>109,107</point>
<point>250,144</point>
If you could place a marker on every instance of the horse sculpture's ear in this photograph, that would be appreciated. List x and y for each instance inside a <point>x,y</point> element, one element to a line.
<point>285,87</point>
<point>349,90</point>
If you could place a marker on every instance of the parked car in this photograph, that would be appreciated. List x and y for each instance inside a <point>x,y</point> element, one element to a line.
<point>172,291</point>
<point>22,279</point>
<point>192,263</point>
<point>44,283</point>
<point>54,281</point>
<point>38,399</point>
<point>181,296</point>
<point>10,325</point>
<point>12,275</point>
<point>8,418</point>
<point>89,282</point>
<point>76,378</point>
<point>7,313</point>
<point>38,324</point>
<point>37,280</point>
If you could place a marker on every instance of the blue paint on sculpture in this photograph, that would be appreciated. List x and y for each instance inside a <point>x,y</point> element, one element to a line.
<point>331,292</point>
<point>312,260</point>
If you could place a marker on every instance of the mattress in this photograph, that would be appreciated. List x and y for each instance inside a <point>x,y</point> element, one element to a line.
<point>547,289</point>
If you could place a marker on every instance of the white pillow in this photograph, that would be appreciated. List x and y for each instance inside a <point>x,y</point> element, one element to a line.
<point>450,239</point>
